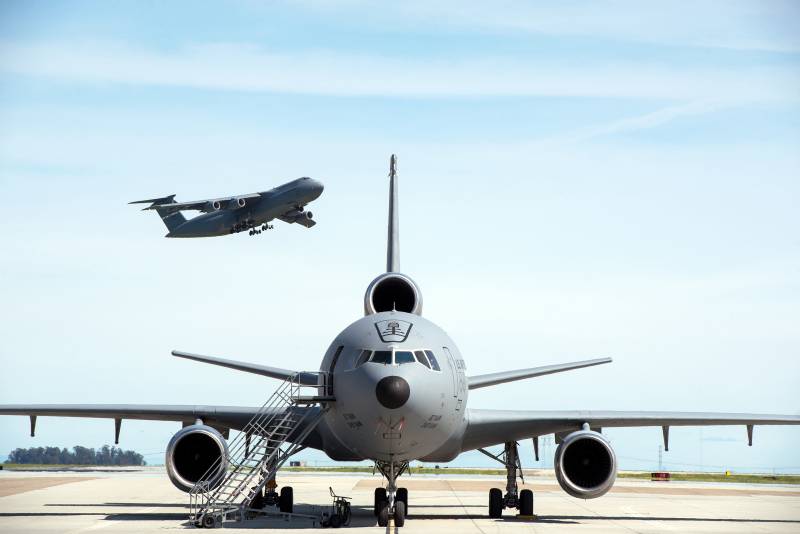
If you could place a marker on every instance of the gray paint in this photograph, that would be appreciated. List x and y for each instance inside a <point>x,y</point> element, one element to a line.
<point>220,216</point>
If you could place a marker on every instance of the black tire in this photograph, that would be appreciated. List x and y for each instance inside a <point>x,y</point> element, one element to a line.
<point>399,513</point>
<point>526,502</point>
<point>346,516</point>
<point>380,499</point>
<point>383,515</point>
<point>495,503</point>
<point>335,521</point>
<point>209,521</point>
<point>402,495</point>
<point>286,500</point>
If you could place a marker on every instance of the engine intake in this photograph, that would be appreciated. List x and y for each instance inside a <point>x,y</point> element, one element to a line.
<point>585,464</point>
<point>393,291</point>
<point>192,452</point>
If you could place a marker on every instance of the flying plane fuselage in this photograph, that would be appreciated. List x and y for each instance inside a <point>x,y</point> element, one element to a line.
<point>270,206</point>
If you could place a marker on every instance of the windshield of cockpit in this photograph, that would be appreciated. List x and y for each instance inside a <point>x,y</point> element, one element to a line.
<point>399,357</point>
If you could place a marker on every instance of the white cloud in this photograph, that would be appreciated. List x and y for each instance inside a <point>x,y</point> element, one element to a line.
<point>249,68</point>
<point>736,24</point>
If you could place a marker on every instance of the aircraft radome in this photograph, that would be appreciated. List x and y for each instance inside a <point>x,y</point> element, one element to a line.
<point>392,389</point>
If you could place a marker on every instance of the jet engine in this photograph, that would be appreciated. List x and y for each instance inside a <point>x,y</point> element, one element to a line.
<point>393,291</point>
<point>216,205</point>
<point>299,214</point>
<point>585,464</point>
<point>194,450</point>
<point>236,203</point>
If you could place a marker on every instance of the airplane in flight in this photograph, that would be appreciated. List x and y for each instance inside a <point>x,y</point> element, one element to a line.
<point>229,215</point>
<point>392,388</point>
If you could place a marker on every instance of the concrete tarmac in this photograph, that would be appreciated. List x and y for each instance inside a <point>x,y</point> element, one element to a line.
<point>140,501</point>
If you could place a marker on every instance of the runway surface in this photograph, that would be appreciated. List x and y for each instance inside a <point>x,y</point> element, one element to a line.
<point>145,501</point>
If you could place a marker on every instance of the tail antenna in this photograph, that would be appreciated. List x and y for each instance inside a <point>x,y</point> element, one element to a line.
<point>393,241</point>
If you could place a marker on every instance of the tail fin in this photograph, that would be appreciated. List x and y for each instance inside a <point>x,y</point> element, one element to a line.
<point>172,218</point>
<point>393,240</point>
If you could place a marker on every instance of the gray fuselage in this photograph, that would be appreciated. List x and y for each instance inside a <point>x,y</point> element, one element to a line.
<point>272,204</point>
<point>398,410</point>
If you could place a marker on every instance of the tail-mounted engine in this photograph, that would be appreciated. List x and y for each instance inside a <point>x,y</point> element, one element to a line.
<point>585,464</point>
<point>194,450</point>
<point>393,291</point>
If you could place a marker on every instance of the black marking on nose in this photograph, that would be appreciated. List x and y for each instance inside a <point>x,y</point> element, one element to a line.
<point>392,392</point>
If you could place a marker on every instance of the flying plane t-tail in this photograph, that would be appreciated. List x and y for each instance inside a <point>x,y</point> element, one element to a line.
<point>172,218</point>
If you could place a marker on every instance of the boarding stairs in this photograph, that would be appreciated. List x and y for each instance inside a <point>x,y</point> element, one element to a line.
<point>275,432</point>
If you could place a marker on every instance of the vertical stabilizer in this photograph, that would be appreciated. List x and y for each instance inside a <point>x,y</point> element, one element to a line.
<point>393,241</point>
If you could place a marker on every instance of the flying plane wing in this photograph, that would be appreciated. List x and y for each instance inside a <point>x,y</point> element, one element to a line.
<point>490,427</point>
<point>220,417</point>
<point>207,205</point>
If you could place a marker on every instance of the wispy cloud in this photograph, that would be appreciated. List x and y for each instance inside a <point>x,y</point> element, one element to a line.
<point>764,25</point>
<point>249,68</point>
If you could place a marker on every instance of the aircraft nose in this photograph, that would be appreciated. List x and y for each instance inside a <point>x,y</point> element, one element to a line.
<point>392,392</point>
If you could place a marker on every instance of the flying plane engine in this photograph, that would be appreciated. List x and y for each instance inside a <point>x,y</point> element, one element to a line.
<point>216,205</point>
<point>299,214</point>
<point>393,291</point>
<point>236,203</point>
<point>585,464</point>
<point>194,450</point>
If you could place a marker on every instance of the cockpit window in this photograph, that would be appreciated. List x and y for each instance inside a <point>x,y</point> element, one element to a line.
<point>403,356</point>
<point>421,358</point>
<point>363,357</point>
<point>432,358</point>
<point>382,356</point>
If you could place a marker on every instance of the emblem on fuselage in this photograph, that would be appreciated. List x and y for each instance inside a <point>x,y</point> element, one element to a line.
<point>393,330</point>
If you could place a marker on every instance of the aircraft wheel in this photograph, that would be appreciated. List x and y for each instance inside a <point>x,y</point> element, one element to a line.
<point>335,521</point>
<point>381,500</point>
<point>286,500</point>
<point>399,513</point>
<point>402,495</point>
<point>383,515</point>
<point>526,502</point>
<point>495,503</point>
<point>209,521</point>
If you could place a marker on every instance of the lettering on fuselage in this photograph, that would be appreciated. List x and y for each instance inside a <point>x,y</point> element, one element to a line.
<point>393,330</point>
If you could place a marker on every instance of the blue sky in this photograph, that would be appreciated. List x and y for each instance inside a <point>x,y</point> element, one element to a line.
<point>592,179</point>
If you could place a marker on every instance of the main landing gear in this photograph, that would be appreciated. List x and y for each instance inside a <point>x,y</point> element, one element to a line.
<point>251,226</point>
<point>391,502</point>
<point>521,500</point>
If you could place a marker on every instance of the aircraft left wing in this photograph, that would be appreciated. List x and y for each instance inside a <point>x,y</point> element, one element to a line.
<point>207,205</point>
<point>491,427</point>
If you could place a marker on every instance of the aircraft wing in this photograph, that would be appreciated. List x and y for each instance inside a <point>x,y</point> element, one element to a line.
<point>220,417</point>
<point>207,205</point>
<point>491,427</point>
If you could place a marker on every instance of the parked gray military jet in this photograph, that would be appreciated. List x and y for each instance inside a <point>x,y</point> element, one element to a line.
<point>391,388</point>
<point>228,215</point>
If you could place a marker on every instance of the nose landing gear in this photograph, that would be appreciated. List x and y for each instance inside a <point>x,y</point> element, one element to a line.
<point>391,502</point>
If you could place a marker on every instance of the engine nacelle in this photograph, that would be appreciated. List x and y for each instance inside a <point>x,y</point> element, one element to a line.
<point>192,452</point>
<point>295,215</point>
<point>216,205</point>
<point>393,291</point>
<point>236,203</point>
<point>585,464</point>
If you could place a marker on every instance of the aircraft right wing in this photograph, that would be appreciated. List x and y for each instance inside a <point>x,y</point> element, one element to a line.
<point>219,417</point>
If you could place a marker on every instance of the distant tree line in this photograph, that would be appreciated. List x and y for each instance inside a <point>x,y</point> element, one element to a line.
<point>78,455</point>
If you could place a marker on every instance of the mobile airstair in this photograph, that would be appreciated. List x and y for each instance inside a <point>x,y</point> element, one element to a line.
<point>275,433</point>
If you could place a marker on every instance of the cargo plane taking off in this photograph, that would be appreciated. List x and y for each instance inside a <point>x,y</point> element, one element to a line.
<point>229,215</point>
<point>391,388</point>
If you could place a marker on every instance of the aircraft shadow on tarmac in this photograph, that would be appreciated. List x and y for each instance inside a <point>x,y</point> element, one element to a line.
<point>362,516</point>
